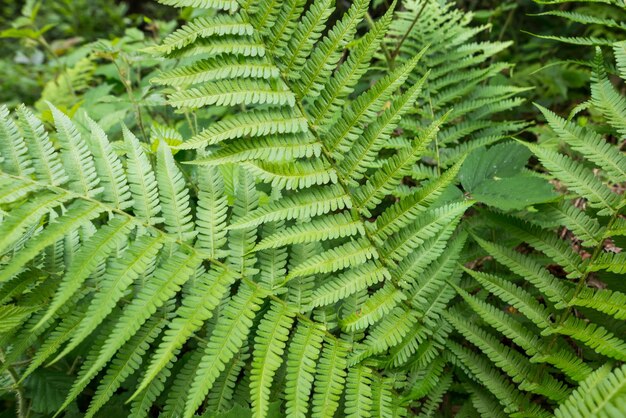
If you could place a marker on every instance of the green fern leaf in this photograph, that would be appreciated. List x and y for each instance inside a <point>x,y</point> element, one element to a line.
<point>115,189</point>
<point>141,180</point>
<point>250,124</point>
<point>359,392</point>
<point>15,153</point>
<point>590,144</point>
<point>603,394</point>
<point>303,352</point>
<point>329,379</point>
<point>77,159</point>
<point>270,342</point>
<point>351,254</point>
<point>46,161</point>
<point>220,25</point>
<point>326,228</point>
<point>174,196</point>
<point>228,5</point>
<point>228,336</point>
<point>578,178</point>
<point>196,308</point>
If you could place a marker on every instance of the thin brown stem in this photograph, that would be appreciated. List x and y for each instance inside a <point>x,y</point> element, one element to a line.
<point>396,51</point>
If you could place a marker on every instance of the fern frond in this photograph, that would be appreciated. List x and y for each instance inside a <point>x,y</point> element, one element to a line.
<point>93,252</point>
<point>137,258</point>
<point>77,159</point>
<point>351,254</point>
<point>204,27</point>
<point>78,214</point>
<point>221,396</point>
<point>329,379</point>
<point>359,392</point>
<point>302,205</point>
<point>250,124</point>
<point>365,149</point>
<point>508,396</point>
<point>46,161</point>
<point>593,335</point>
<point>293,175</point>
<point>584,18</point>
<point>375,308</point>
<point>601,394</point>
<point>511,362</point>
<point>141,180</point>
<point>387,333</point>
<point>592,145</point>
<point>562,359</point>
<point>127,361</point>
<point>211,212</point>
<point>400,244</point>
<point>544,241</point>
<point>241,241</point>
<point>228,5</point>
<point>214,69</point>
<point>166,281</point>
<point>18,221</point>
<point>615,263</point>
<point>604,300</point>
<point>585,227</point>
<point>115,189</point>
<point>174,196</point>
<point>276,149</point>
<point>620,58</point>
<point>228,337</point>
<point>303,352</point>
<point>326,55</point>
<point>364,109</point>
<point>233,92</point>
<point>270,342</point>
<point>514,295</point>
<point>308,31</point>
<point>384,180</point>
<point>196,308</point>
<point>322,229</point>
<point>405,211</point>
<point>14,151</point>
<point>343,81</point>
<point>578,178</point>
<point>606,99</point>
<point>347,283</point>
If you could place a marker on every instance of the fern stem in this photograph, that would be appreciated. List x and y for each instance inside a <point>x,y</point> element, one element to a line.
<point>396,51</point>
<point>126,81</point>
<point>62,67</point>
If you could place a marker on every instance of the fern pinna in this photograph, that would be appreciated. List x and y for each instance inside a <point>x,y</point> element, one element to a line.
<point>300,254</point>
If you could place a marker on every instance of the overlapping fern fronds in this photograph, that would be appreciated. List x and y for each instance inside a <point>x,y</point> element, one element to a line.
<point>576,300</point>
<point>300,254</point>
<point>461,72</point>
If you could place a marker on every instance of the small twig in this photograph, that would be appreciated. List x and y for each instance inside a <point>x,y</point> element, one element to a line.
<point>396,51</point>
<point>126,81</point>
